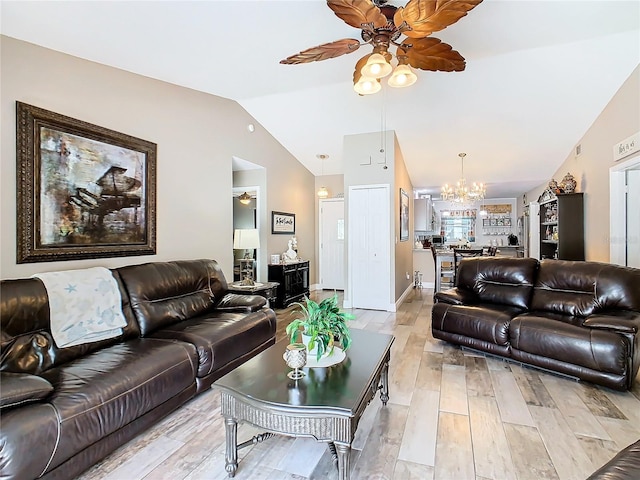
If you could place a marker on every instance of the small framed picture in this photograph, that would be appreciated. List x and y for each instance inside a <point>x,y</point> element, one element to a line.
<point>404,216</point>
<point>275,259</point>
<point>283,223</point>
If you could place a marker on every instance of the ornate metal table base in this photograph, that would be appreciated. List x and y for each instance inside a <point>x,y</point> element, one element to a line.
<point>323,424</point>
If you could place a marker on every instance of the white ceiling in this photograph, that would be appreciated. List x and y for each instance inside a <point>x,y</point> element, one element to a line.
<point>538,74</point>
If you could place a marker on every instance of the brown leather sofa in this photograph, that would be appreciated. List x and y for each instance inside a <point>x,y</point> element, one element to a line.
<point>624,466</point>
<point>64,409</point>
<point>576,318</point>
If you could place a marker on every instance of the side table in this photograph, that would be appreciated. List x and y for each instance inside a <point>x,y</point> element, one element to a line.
<point>268,290</point>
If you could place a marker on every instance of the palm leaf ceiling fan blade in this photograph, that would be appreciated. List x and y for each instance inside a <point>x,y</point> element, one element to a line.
<point>434,55</point>
<point>427,16</point>
<point>358,13</point>
<point>323,52</point>
<point>356,73</point>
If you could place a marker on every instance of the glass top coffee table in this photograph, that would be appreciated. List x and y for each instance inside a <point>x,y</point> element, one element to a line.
<point>325,404</point>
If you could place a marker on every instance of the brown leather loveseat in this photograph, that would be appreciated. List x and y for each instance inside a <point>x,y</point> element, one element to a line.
<point>63,409</point>
<point>576,318</point>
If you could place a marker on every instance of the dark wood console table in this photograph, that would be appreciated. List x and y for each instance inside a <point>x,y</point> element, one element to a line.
<point>293,279</point>
<point>268,290</point>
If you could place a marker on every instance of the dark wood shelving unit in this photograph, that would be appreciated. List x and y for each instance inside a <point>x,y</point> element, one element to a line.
<point>562,226</point>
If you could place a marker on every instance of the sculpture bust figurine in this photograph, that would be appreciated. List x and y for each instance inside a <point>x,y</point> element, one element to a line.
<point>290,255</point>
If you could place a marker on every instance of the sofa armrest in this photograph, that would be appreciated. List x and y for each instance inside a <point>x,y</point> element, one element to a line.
<point>234,302</point>
<point>623,321</point>
<point>624,466</point>
<point>19,388</point>
<point>456,296</point>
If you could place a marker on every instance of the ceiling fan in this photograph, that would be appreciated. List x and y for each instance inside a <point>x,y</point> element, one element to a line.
<point>381,26</point>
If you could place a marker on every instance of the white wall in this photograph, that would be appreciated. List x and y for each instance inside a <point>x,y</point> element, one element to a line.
<point>197,136</point>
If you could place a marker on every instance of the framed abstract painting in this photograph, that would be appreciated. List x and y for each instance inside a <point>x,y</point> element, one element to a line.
<point>83,191</point>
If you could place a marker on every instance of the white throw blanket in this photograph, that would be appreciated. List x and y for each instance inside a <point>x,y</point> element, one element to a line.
<point>84,305</point>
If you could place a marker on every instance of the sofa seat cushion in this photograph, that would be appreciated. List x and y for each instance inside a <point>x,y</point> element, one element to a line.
<point>98,394</point>
<point>222,337</point>
<point>483,321</point>
<point>568,341</point>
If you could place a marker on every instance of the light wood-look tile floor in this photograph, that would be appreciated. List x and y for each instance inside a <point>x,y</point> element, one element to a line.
<point>453,414</point>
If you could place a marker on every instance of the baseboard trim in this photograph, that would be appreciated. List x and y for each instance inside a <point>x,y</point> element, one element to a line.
<point>402,298</point>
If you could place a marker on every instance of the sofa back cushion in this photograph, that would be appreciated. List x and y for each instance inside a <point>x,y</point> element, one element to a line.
<point>164,293</point>
<point>584,288</point>
<point>501,280</point>
<point>25,333</point>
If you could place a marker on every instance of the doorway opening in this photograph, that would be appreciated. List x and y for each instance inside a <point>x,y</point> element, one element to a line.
<point>624,204</point>
<point>250,179</point>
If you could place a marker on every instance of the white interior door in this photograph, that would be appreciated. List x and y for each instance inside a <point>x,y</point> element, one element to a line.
<point>370,247</point>
<point>332,245</point>
<point>633,218</point>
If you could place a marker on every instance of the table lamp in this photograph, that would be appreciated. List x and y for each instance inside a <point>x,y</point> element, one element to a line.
<point>246,239</point>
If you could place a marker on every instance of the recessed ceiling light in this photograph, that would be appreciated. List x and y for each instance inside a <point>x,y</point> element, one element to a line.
<point>251,127</point>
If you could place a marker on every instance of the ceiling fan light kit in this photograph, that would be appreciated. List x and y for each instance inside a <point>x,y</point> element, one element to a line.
<point>381,26</point>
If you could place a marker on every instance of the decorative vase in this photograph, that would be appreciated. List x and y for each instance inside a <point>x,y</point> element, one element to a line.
<point>568,184</point>
<point>296,357</point>
<point>553,186</point>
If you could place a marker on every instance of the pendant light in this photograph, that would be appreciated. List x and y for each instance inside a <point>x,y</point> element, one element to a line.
<point>244,199</point>
<point>322,191</point>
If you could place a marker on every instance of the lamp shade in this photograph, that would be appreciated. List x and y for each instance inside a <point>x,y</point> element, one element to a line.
<point>367,86</point>
<point>402,77</point>
<point>246,238</point>
<point>376,67</point>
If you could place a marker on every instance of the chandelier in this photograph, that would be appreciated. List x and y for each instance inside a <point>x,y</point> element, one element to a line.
<point>461,192</point>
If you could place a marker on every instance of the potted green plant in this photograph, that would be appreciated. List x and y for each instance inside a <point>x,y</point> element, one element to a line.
<point>321,325</point>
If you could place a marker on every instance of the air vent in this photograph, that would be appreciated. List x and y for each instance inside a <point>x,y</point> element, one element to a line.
<point>578,150</point>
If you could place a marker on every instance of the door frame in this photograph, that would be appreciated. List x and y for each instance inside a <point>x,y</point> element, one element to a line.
<point>260,252</point>
<point>618,209</point>
<point>322,202</point>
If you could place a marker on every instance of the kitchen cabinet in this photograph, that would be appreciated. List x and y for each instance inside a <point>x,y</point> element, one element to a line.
<point>423,215</point>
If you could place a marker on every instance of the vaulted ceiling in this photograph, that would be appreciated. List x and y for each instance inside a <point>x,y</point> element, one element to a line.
<point>538,73</point>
